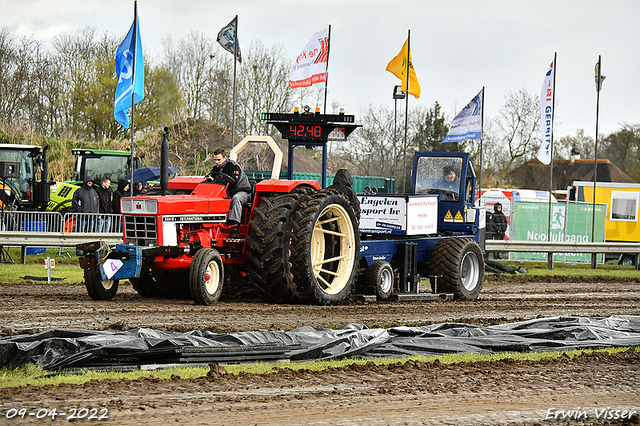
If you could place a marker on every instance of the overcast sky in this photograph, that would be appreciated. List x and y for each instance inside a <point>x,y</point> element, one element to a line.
<point>458,46</point>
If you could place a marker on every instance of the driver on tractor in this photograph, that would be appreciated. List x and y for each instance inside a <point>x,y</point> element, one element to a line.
<point>228,172</point>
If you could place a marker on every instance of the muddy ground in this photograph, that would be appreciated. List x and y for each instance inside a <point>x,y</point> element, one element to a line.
<point>506,392</point>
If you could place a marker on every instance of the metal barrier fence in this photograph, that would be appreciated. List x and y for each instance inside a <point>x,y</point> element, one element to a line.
<point>56,222</point>
<point>91,222</point>
<point>33,230</point>
<point>52,229</point>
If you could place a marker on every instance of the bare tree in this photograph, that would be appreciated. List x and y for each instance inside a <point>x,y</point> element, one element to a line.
<point>13,76</point>
<point>191,64</point>
<point>263,86</point>
<point>581,143</point>
<point>517,126</point>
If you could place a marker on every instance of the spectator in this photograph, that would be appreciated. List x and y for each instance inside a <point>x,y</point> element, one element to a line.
<point>85,200</point>
<point>137,188</point>
<point>496,225</point>
<point>104,198</point>
<point>343,182</point>
<point>122,191</point>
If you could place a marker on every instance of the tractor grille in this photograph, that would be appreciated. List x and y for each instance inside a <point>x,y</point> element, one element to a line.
<point>140,230</point>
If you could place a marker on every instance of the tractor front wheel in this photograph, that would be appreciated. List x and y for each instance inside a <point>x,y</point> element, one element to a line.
<point>206,277</point>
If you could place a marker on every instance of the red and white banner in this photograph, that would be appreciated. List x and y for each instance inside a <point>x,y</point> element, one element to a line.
<point>311,65</point>
<point>546,116</point>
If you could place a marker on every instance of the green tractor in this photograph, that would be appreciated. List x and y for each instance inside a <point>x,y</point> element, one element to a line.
<point>95,163</point>
<point>23,177</point>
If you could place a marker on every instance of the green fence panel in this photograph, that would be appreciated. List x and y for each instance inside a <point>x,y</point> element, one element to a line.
<point>570,222</point>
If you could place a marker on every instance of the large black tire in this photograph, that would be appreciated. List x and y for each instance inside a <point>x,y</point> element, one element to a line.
<point>379,277</point>
<point>268,247</point>
<point>206,277</point>
<point>325,247</point>
<point>145,284</point>
<point>460,264</point>
<point>172,284</point>
<point>98,288</point>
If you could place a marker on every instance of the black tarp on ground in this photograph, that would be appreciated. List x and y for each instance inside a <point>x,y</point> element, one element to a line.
<point>81,348</point>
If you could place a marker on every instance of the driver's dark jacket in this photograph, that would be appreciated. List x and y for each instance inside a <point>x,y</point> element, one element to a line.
<point>235,176</point>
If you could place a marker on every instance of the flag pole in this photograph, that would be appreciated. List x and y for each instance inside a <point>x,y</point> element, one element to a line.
<point>406,113</point>
<point>594,256</point>
<point>326,81</point>
<point>481,137</point>
<point>133,85</point>
<point>553,114</point>
<point>233,107</point>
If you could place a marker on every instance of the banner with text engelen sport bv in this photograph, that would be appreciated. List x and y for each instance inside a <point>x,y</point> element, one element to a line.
<point>311,65</point>
<point>468,122</point>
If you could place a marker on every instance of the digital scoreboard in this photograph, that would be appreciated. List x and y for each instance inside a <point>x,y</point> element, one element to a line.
<point>312,127</point>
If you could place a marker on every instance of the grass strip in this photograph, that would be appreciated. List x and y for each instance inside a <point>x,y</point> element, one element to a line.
<point>32,375</point>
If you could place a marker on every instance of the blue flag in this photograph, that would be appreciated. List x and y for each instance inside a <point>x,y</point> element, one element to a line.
<point>468,123</point>
<point>128,82</point>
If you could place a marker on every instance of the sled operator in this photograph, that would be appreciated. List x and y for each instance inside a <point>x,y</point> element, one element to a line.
<point>449,182</point>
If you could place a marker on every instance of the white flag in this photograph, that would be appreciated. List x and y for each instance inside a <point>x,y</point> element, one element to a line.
<point>468,122</point>
<point>546,116</point>
<point>311,65</point>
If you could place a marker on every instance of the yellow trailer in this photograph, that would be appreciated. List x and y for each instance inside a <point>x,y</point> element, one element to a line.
<point>621,220</point>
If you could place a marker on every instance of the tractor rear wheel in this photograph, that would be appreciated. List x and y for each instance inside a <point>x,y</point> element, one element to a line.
<point>268,247</point>
<point>98,288</point>
<point>459,264</point>
<point>325,247</point>
<point>206,277</point>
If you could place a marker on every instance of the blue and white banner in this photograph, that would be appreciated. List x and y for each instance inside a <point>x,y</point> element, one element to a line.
<point>468,123</point>
<point>546,116</point>
<point>128,83</point>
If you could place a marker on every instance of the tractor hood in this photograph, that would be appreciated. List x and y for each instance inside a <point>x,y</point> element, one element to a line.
<point>206,198</point>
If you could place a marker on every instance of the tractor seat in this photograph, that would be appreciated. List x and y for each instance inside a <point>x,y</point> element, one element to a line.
<point>246,208</point>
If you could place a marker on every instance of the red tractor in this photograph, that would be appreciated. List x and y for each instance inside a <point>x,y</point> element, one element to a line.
<point>297,242</point>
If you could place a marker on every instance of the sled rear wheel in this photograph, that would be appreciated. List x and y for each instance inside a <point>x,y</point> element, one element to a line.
<point>460,265</point>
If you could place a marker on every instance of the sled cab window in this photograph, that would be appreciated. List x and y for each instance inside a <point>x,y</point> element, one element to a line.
<point>440,175</point>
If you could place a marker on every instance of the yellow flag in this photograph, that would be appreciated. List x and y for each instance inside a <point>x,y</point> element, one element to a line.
<point>398,67</point>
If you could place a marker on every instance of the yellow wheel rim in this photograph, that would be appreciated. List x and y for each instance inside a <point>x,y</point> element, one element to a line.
<point>333,229</point>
